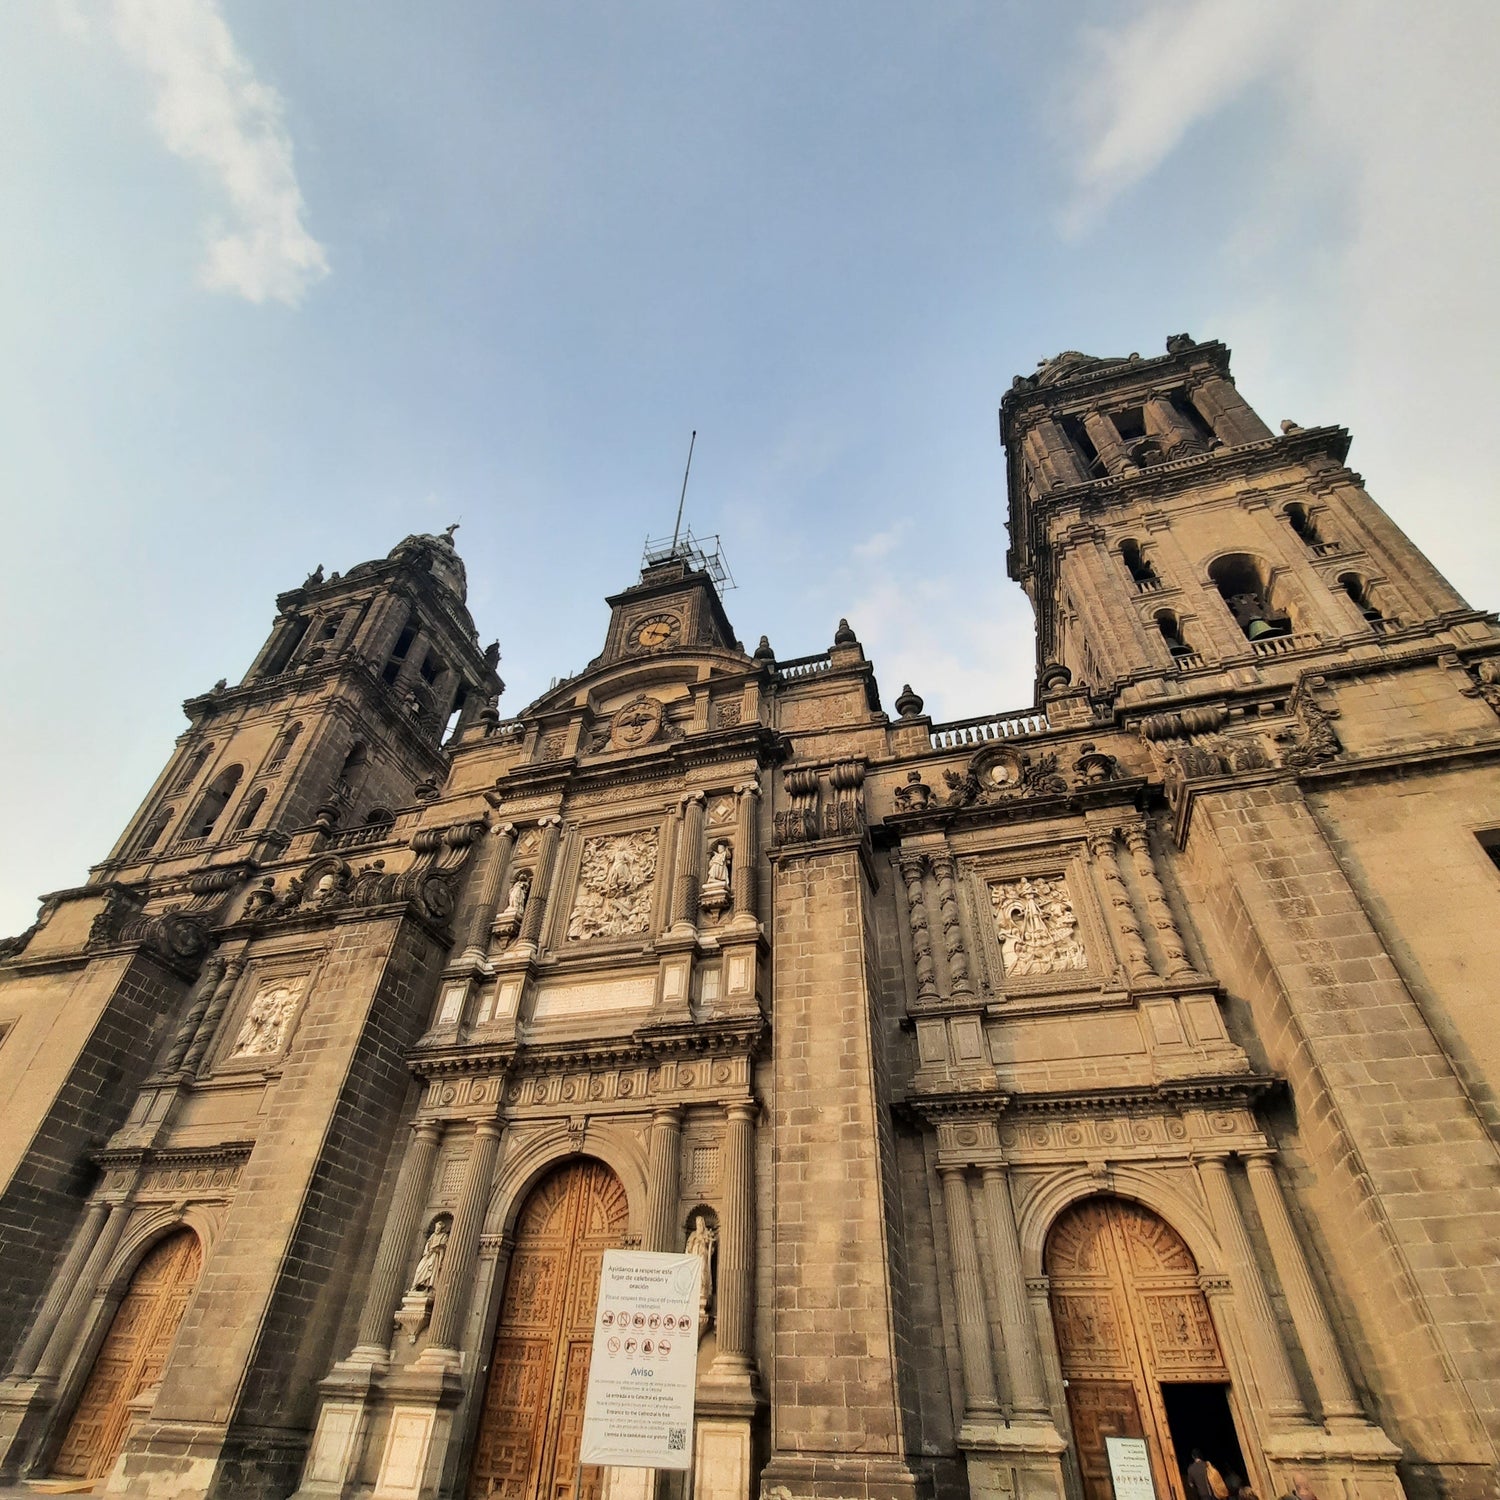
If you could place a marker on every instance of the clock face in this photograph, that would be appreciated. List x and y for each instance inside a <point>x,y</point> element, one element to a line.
<point>655,632</point>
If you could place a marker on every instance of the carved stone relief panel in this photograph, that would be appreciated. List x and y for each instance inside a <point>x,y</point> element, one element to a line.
<point>1036,926</point>
<point>616,878</point>
<point>267,1020</point>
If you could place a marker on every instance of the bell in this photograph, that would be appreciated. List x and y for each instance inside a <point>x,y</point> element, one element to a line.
<point>1257,628</point>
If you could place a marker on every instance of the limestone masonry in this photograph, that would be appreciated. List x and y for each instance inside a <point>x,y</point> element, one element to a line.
<point>1122,1067</point>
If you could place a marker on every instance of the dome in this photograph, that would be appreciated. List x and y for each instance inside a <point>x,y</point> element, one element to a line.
<point>440,557</point>
<point>1070,365</point>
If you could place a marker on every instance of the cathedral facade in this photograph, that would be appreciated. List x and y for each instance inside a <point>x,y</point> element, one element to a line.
<point>1126,1066</point>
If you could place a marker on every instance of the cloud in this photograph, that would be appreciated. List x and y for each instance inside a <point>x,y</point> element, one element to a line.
<point>212,110</point>
<point>1356,281</point>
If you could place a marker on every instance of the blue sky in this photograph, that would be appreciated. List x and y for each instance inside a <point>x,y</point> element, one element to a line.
<point>284,281</point>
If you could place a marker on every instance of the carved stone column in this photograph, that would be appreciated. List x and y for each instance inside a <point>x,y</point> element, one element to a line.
<point>1177,436</point>
<point>661,1180</point>
<point>64,1281</point>
<point>1107,442</point>
<point>921,937</point>
<point>1054,455</point>
<point>1177,962</point>
<point>735,1291</point>
<point>1335,1389</point>
<point>489,882</point>
<point>959,980</point>
<point>746,852</point>
<point>980,1399</point>
<point>203,993</point>
<point>1273,1370</point>
<point>450,1294</point>
<point>60,1345</point>
<point>1023,1364</point>
<point>536,904</point>
<point>373,1341</point>
<point>193,1058</point>
<point>1226,411</point>
<point>1106,850</point>
<point>689,862</point>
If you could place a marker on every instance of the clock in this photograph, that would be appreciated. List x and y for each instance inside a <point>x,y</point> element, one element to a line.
<point>654,632</point>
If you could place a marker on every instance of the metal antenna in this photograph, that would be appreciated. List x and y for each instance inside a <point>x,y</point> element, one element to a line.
<point>682,498</point>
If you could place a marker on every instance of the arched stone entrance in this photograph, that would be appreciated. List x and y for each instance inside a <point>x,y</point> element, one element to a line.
<point>1138,1346</point>
<point>527,1447</point>
<point>133,1355</point>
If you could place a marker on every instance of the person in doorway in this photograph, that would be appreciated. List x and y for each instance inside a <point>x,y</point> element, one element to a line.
<point>1204,1481</point>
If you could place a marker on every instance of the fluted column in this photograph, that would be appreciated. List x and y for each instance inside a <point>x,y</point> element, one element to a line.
<point>1273,1370</point>
<point>1171,429</point>
<point>203,992</point>
<point>921,937</point>
<point>661,1179</point>
<point>491,881</point>
<point>1023,1362</point>
<point>980,1398</point>
<point>746,850</point>
<point>212,1015</point>
<point>458,1263</point>
<point>536,904</point>
<point>736,1242</point>
<point>60,1345</point>
<point>64,1281</point>
<point>689,862</point>
<point>959,980</point>
<point>1159,910</point>
<point>386,1278</point>
<point>1127,924</point>
<point>1330,1376</point>
<point>1226,411</point>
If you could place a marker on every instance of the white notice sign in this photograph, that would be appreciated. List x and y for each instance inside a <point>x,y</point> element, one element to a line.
<point>1130,1468</point>
<point>639,1408</point>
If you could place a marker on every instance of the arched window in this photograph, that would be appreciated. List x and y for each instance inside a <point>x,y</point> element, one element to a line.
<point>283,746</point>
<point>291,637</point>
<point>154,830</point>
<point>330,627</point>
<point>215,799</point>
<point>379,818</point>
<point>1242,584</point>
<point>1141,570</point>
<point>250,812</point>
<point>1171,633</point>
<point>392,668</point>
<point>1359,591</point>
<point>354,763</point>
<point>189,773</point>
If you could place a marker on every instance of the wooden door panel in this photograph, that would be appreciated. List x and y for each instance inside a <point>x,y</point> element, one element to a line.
<point>531,1418</point>
<point>1101,1409</point>
<point>133,1356</point>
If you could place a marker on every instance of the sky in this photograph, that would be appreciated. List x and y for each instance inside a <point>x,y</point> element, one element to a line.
<point>284,282</point>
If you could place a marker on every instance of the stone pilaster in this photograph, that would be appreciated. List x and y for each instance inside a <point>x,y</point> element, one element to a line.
<point>1159,910</point>
<point>64,1283</point>
<point>373,1341</point>
<point>450,1296</point>
<point>912,866</point>
<point>1226,411</point>
<point>960,983</point>
<point>661,1179</point>
<point>980,1400</point>
<point>541,884</point>
<point>734,1295</point>
<point>192,1059</point>
<point>742,874</point>
<point>1105,849</point>
<point>489,882</point>
<point>1023,1365</point>
<point>1273,1371</point>
<point>689,863</point>
<point>203,993</point>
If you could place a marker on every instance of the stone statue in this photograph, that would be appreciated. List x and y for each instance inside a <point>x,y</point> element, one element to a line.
<point>702,1242</point>
<point>426,1275</point>
<point>718,864</point>
<point>520,890</point>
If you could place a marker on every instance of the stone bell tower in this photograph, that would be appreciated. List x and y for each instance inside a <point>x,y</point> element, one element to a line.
<point>340,717</point>
<point>1163,532</point>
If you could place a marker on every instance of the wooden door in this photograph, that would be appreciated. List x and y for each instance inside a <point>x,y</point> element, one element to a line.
<point>1129,1314</point>
<point>133,1355</point>
<point>527,1448</point>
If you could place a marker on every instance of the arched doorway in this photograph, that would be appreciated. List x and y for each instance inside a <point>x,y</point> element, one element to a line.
<point>1139,1352</point>
<point>527,1448</point>
<point>133,1355</point>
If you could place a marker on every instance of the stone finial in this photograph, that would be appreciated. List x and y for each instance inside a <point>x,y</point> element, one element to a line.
<point>1180,343</point>
<point>844,636</point>
<point>763,652</point>
<point>1055,675</point>
<point>908,704</point>
<point>1290,427</point>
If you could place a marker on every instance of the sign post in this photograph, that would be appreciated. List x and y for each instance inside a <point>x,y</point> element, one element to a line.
<point>638,1412</point>
<point>1130,1468</point>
